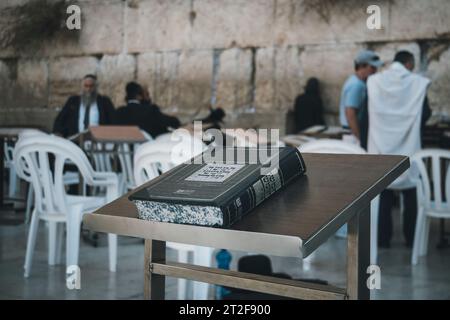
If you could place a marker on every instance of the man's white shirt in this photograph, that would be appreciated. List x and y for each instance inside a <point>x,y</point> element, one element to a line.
<point>94,116</point>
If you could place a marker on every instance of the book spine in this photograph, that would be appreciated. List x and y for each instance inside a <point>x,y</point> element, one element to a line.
<point>289,168</point>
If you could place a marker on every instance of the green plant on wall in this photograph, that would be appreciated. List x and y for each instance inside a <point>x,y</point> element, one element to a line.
<point>30,25</point>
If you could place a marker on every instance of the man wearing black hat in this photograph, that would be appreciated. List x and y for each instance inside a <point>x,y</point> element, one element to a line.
<point>84,110</point>
<point>141,112</point>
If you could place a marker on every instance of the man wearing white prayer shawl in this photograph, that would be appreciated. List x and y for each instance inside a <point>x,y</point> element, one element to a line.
<point>398,109</point>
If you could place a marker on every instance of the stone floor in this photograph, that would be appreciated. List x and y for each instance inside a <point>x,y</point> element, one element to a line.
<point>430,279</point>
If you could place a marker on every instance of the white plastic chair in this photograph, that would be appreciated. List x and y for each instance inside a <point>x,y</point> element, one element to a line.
<point>69,178</point>
<point>125,155</point>
<point>430,200</point>
<point>161,155</point>
<point>13,185</point>
<point>8,164</point>
<point>32,155</point>
<point>337,146</point>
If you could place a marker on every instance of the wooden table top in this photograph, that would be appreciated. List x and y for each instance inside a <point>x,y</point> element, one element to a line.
<point>293,222</point>
<point>113,134</point>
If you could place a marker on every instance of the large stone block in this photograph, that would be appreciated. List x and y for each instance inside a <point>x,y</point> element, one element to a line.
<point>101,31</point>
<point>158,25</point>
<point>224,24</point>
<point>439,73</point>
<point>6,83</point>
<point>233,80</point>
<point>65,75</point>
<point>158,72</point>
<point>114,72</point>
<point>193,81</point>
<point>32,80</point>
<point>289,76</point>
<point>331,64</point>
<point>388,50</point>
<point>419,19</point>
<point>16,91</point>
<point>39,117</point>
<point>265,84</point>
<point>305,22</point>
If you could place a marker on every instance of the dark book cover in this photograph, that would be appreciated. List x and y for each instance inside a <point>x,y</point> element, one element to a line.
<point>219,186</point>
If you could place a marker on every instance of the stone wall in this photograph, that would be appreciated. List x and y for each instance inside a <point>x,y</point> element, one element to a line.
<point>251,57</point>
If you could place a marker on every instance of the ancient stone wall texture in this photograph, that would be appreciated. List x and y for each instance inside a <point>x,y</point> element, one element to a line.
<point>250,57</point>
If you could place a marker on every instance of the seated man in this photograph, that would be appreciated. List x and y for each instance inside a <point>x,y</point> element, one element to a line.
<point>82,111</point>
<point>141,112</point>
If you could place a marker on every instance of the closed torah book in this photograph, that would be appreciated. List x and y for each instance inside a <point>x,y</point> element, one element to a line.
<point>208,192</point>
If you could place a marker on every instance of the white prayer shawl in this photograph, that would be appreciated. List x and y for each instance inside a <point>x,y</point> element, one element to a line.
<point>396,98</point>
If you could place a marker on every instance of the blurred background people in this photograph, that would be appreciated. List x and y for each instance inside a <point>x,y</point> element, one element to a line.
<point>308,107</point>
<point>141,111</point>
<point>84,110</point>
<point>353,102</point>
<point>398,110</point>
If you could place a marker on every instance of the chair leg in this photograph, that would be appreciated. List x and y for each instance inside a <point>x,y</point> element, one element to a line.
<point>417,236</point>
<point>426,232</point>
<point>30,199</point>
<point>307,262</point>
<point>112,248</point>
<point>73,235</point>
<point>59,242</point>
<point>202,257</point>
<point>182,283</point>
<point>374,212</point>
<point>401,205</point>
<point>52,241</point>
<point>32,233</point>
<point>12,183</point>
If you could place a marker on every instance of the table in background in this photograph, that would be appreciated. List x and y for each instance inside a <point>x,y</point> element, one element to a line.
<point>100,136</point>
<point>314,133</point>
<point>292,223</point>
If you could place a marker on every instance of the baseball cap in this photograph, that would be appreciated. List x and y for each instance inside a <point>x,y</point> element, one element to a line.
<point>369,57</point>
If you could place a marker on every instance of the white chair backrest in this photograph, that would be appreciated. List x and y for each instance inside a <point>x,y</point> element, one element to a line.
<point>8,151</point>
<point>161,155</point>
<point>146,135</point>
<point>331,146</point>
<point>432,165</point>
<point>40,159</point>
<point>101,155</point>
<point>125,155</point>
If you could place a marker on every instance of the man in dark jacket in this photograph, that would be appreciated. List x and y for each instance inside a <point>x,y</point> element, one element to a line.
<point>82,111</point>
<point>141,112</point>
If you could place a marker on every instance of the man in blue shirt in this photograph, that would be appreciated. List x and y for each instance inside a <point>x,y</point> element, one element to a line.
<point>353,104</point>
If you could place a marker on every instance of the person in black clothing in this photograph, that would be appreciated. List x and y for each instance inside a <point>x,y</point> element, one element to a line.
<point>140,111</point>
<point>84,110</point>
<point>308,107</point>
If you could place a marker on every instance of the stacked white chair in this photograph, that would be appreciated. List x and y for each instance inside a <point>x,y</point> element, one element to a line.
<point>32,155</point>
<point>430,200</point>
<point>125,154</point>
<point>161,155</point>
<point>337,146</point>
<point>8,164</point>
<point>69,178</point>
